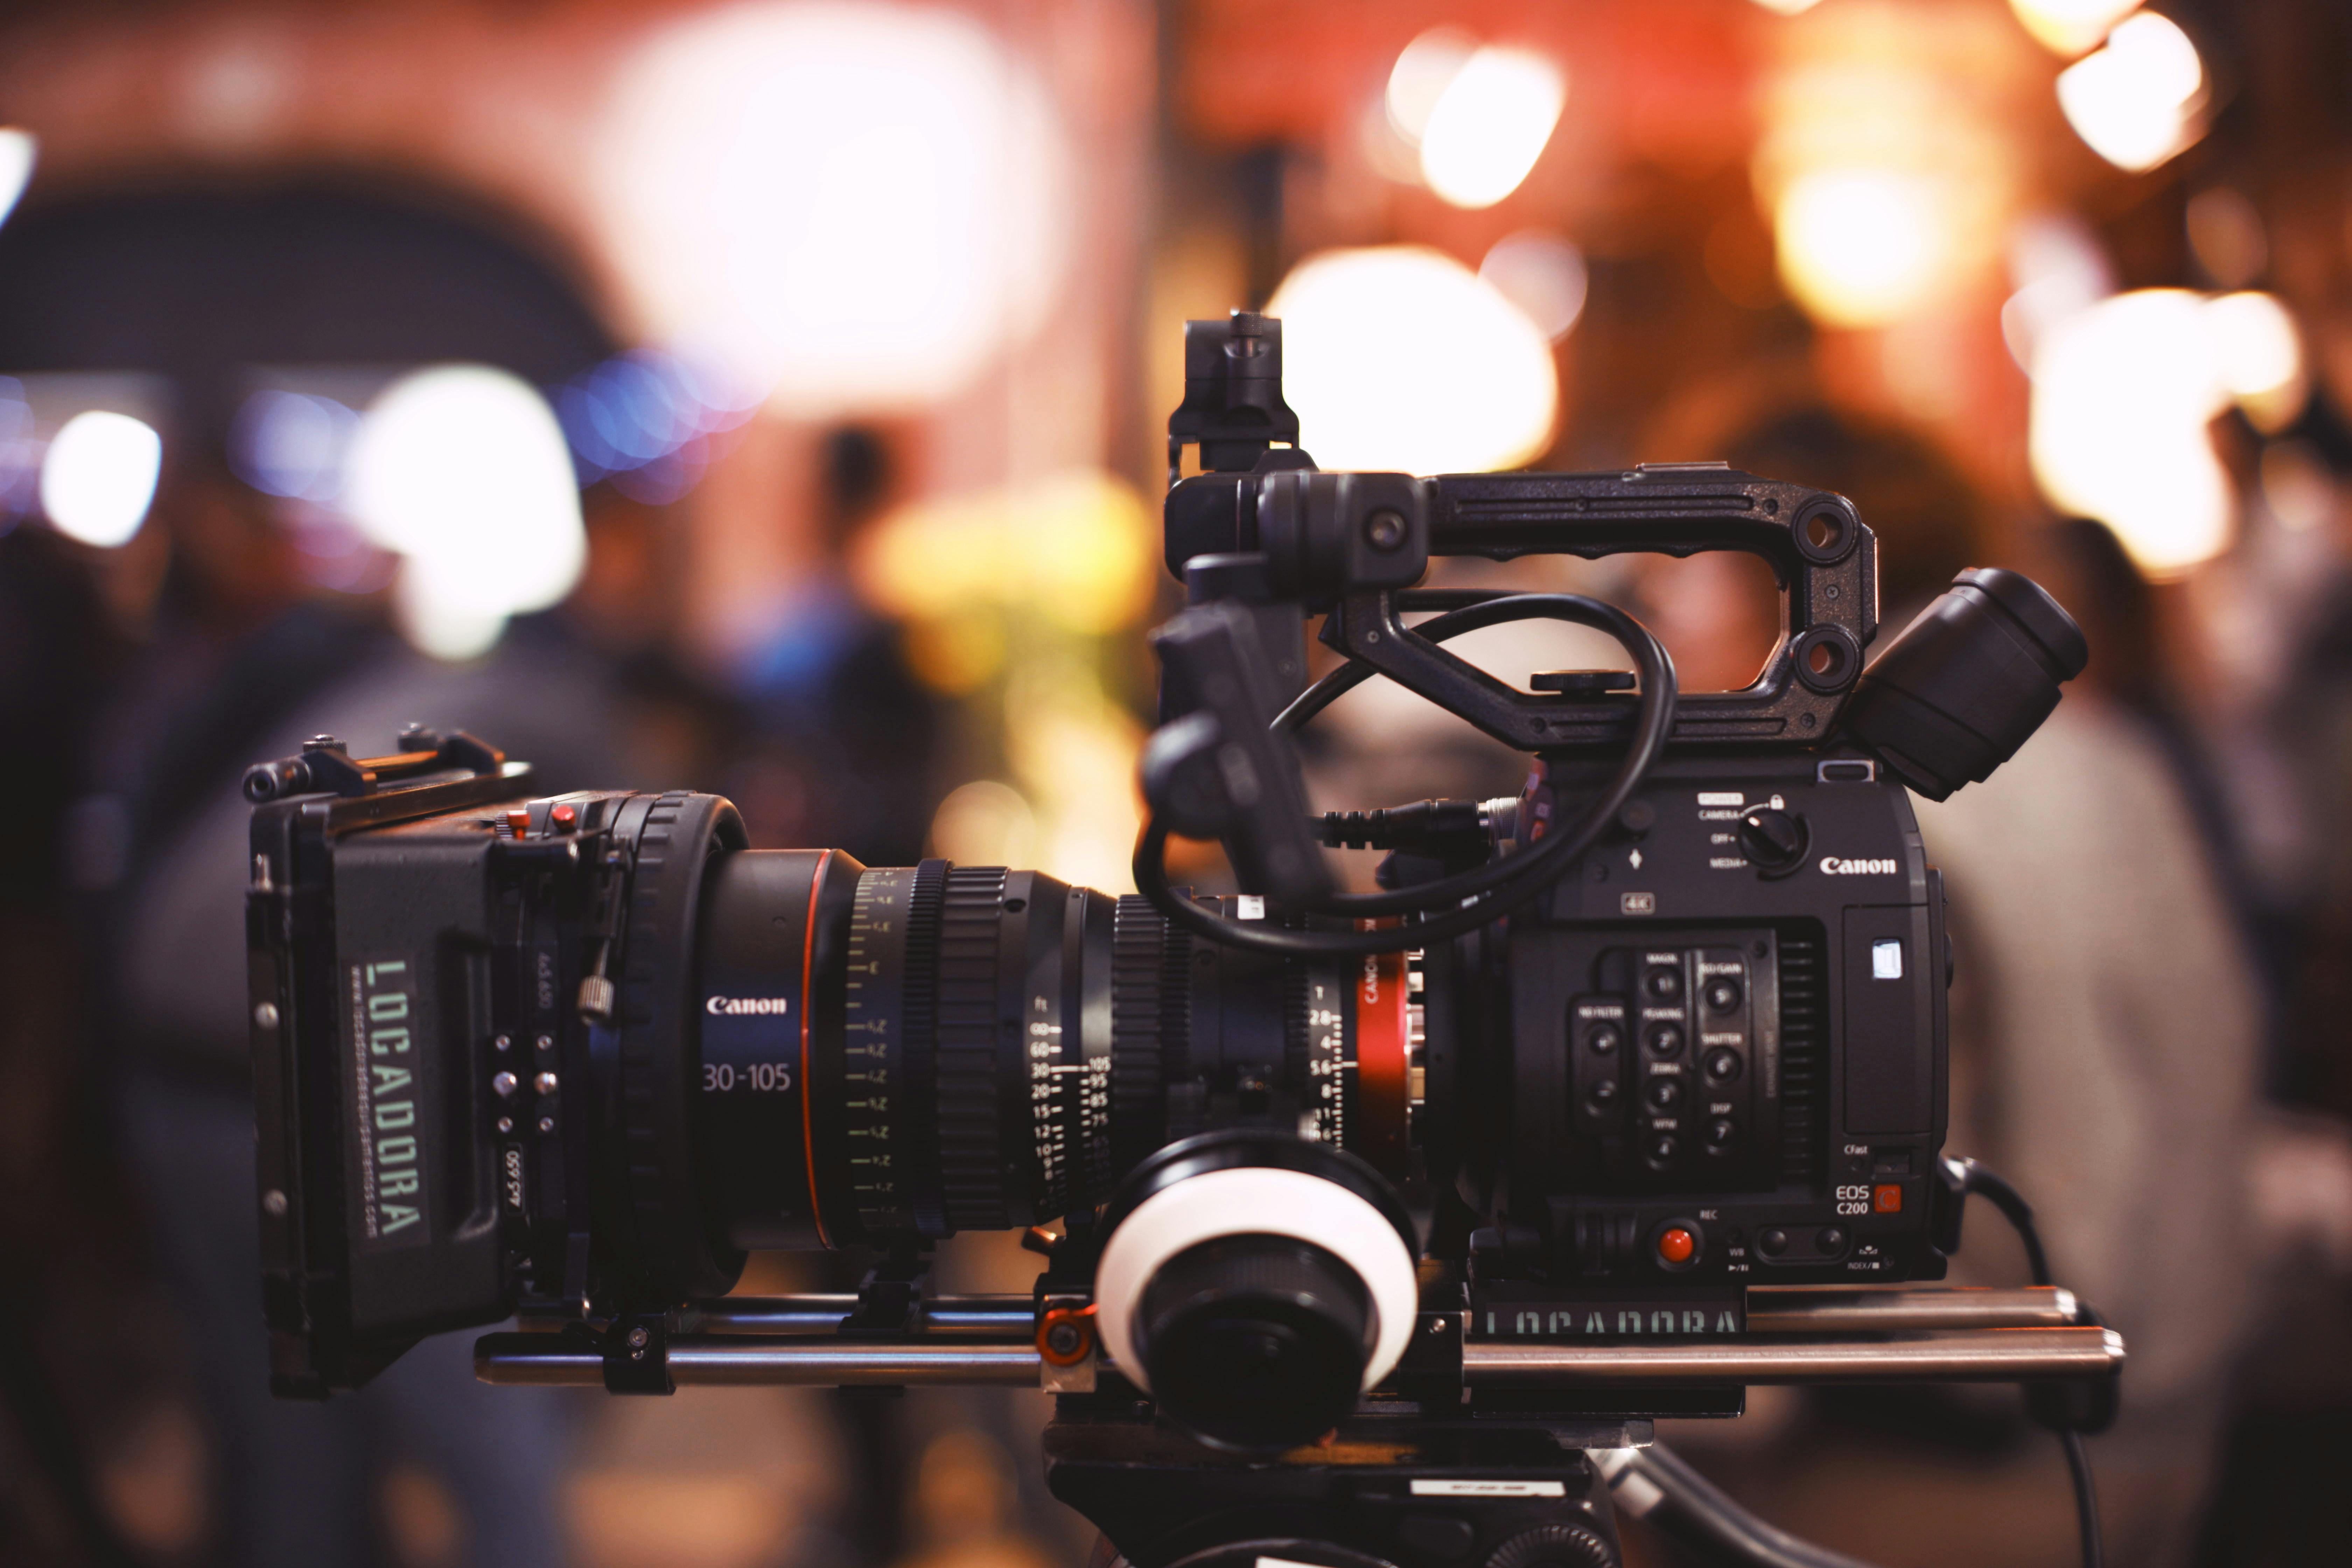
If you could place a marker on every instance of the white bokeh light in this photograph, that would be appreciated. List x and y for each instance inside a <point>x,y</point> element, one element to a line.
<point>1544,275</point>
<point>852,204</point>
<point>1489,127</point>
<point>289,443</point>
<point>1400,358</point>
<point>1423,71</point>
<point>2070,27</point>
<point>1861,246</point>
<point>2136,101</point>
<point>17,152</point>
<point>2058,269</point>
<point>2258,350</point>
<point>98,478</point>
<point>464,471</point>
<point>2122,394</point>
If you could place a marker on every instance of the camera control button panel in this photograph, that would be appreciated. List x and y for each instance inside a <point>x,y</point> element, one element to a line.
<point>1673,1061</point>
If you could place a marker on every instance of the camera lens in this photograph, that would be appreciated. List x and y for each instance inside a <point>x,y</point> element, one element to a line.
<point>896,1051</point>
<point>917,1051</point>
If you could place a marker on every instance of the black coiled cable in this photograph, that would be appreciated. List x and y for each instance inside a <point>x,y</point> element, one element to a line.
<point>1460,904</point>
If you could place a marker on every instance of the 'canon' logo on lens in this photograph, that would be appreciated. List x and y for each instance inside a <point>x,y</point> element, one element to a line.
<point>743,1006</point>
<point>1833,867</point>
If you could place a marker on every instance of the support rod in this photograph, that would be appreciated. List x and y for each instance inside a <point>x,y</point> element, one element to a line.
<point>720,1361</point>
<point>1771,1310</point>
<point>1868,1308</point>
<point>1945,1355</point>
<point>1952,1356</point>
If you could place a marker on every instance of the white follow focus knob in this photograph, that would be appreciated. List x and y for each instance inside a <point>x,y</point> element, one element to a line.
<point>1255,1200</point>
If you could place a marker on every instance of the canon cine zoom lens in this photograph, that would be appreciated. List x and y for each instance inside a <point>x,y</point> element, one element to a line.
<point>912,1051</point>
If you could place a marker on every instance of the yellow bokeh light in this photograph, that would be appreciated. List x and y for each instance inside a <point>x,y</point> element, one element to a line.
<point>1888,161</point>
<point>1074,755</point>
<point>2070,27</point>
<point>1075,551</point>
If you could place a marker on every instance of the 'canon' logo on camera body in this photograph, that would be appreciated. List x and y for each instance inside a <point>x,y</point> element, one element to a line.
<point>746,1007</point>
<point>1833,867</point>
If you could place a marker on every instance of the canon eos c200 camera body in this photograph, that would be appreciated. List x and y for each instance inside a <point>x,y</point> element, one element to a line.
<point>1592,1065</point>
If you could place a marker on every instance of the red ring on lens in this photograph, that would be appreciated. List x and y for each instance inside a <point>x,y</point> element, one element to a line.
<point>1383,1057</point>
<point>808,967</point>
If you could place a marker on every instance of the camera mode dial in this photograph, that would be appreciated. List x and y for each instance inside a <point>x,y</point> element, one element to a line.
<point>1772,839</point>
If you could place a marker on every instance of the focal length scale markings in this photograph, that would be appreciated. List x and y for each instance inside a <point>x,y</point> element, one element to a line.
<point>873,1047</point>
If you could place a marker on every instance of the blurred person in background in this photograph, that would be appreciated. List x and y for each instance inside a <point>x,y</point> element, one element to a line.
<point>447,1466</point>
<point>841,743</point>
<point>226,652</point>
<point>2105,1057</point>
<point>98,1448</point>
<point>2107,1043</point>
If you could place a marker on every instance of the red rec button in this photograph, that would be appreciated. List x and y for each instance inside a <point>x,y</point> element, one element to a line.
<point>1677,1246</point>
<point>1886,1198</point>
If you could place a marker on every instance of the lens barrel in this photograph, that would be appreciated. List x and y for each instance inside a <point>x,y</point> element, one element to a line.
<point>905,1052</point>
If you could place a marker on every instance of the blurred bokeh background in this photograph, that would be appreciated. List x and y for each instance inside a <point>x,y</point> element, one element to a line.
<point>767,397</point>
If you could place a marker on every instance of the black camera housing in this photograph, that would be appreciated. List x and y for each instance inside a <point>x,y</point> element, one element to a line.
<point>582,1052</point>
<point>1749,1055</point>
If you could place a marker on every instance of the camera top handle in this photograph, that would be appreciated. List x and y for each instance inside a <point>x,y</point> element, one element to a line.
<point>1352,546</point>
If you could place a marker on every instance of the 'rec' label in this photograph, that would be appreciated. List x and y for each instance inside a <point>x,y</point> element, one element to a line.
<point>388,1043</point>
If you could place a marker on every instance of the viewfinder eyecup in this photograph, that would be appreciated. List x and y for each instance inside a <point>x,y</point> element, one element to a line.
<point>1962,688</point>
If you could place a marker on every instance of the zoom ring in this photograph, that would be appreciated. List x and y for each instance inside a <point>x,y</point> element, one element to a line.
<point>969,1099</point>
<point>1141,937</point>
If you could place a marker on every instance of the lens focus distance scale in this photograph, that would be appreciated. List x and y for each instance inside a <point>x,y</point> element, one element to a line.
<point>889,1016</point>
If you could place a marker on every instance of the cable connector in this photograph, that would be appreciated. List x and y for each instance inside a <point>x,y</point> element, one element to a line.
<point>1431,827</point>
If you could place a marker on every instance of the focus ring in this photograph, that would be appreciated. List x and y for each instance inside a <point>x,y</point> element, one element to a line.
<point>918,1012</point>
<point>1139,1095</point>
<point>967,1095</point>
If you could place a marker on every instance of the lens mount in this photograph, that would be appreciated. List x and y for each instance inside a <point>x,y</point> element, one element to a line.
<point>647,1057</point>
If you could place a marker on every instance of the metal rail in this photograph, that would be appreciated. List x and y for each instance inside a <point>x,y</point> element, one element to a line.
<point>1771,1310</point>
<point>1837,1309</point>
<point>1009,1318</point>
<point>720,1361</point>
<point>1947,1356</point>
<point>1951,1355</point>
